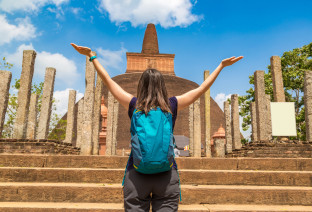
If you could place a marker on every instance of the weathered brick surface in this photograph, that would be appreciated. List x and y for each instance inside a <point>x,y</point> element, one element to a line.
<point>280,150</point>
<point>137,62</point>
<point>36,146</point>
<point>175,86</point>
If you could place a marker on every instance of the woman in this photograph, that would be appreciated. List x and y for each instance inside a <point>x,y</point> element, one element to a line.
<point>152,92</point>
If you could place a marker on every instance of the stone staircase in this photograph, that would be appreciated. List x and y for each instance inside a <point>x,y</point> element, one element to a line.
<point>69,183</point>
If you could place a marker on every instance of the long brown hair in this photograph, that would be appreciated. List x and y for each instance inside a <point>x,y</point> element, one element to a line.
<point>152,92</point>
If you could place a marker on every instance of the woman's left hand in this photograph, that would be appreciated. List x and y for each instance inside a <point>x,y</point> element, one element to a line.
<point>230,61</point>
<point>83,50</point>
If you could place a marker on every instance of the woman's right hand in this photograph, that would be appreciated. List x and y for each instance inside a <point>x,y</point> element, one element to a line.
<point>83,50</point>
<point>230,61</point>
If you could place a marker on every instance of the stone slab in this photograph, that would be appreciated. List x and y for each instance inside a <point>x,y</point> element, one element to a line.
<point>191,194</point>
<point>187,176</point>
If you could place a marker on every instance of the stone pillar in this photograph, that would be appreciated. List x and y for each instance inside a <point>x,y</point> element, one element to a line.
<point>268,117</point>
<point>97,125</point>
<point>278,86</point>
<point>277,79</point>
<point>32,117</point>
<point>5,77</point>
<point>236,137</point>
<point>115,125</point>
<point>20,125</point>
<point>110,120</point>
<point>46,104</point>
<point>253,114</point>
<point>207,119</point>
<point>88,105</point>
<point>219,147</point>
<point>197,129</point>
<point>70,117</point>
<point>228,134</point>
<point>260,105</point>
<point>79,122</point>
<point>308,104</point>
<point>191,127</point>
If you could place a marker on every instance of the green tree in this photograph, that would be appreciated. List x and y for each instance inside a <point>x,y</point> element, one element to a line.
<point>4,65</point>
<point>294,64</point>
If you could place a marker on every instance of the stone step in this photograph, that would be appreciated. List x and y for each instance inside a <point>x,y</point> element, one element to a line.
<point>77,161</point>
<point>110,207</point>
<point>187,176</point>
<point>112,193</point>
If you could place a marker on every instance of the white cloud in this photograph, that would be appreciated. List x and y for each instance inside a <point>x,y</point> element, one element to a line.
<point>61,102</point>
<point>24,30</point>
<point>141,12</point>
<point>76,10</point>
<point>113,59</point>
<point>28,5</point>
<point>66,70</point>
<point>221,98</point>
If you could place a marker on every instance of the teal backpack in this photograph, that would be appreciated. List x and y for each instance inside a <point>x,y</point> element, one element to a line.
<point>152,141</point>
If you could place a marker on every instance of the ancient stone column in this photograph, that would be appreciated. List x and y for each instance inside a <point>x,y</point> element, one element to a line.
<point>5,77</point>
<point>191,127</point>
<point>228,134</point>
<point>88,105</point>
<point>268,117</point>
<point>70,117</point>
<point>46,104</point>
<point>110,120</point>
<point>278,86</point>
<point>115,125</point>
<point>32,117</point>
<point>197,129</point>
<point>260,100</point>
<point>79,122</point>
<point>20,125</point>
<point>236,138</point>
<point>308,104</point>
<point>97,114</point>
<point>253,114</point>
<point>207,119</point>
<point>277,79</point>
<point>219,147</point>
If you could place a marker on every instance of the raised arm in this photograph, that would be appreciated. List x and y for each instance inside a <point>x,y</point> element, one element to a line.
<point>189,97</point>
<point>120,94</point>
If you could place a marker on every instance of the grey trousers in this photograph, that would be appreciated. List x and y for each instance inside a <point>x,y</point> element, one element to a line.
<point>161,190</point>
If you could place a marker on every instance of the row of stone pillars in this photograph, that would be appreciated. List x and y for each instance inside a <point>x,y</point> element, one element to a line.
<point>87,115</point>
<point>260,109</point>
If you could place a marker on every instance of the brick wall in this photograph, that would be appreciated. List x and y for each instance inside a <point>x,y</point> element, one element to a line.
<point>37,146</point>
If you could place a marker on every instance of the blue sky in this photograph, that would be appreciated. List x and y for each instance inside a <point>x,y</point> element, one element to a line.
<point>200,33</point>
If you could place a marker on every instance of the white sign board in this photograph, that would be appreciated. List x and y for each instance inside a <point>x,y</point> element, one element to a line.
<point>283,119</point>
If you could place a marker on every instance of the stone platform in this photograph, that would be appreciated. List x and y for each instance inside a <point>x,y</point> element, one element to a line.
<point>93,183</point>
<point>37,146</point>
<point>290,149</point>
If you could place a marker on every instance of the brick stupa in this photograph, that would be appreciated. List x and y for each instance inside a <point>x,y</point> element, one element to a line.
<point>150,57</point>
